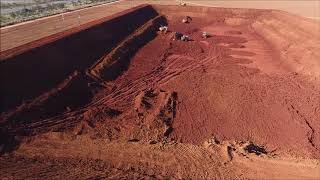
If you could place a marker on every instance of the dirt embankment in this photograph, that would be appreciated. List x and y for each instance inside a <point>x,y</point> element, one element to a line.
<point>43,68</point>
<point>65,96</point>
<point>166,98</point>
<point>296,39</point>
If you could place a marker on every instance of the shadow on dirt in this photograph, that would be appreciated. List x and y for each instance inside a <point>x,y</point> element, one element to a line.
<point>36,71</point>
<point>76,94</point>
<point>42,69</point>
<point>8,142</point>
<point>126,52</point>
<point>79,91</point>
<point>258,150</point>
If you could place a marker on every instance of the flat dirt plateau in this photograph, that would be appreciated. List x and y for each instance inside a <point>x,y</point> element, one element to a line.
<point>118,99</point>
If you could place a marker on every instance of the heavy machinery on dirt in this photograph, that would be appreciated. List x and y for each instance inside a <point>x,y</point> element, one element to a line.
<point>205,35</point>
<point>187,19</point>
<point>163,29</point>
<point>182,3</point>
<point>185,38</point>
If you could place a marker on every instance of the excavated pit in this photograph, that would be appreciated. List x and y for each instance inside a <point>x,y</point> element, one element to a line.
<point>246,81</point>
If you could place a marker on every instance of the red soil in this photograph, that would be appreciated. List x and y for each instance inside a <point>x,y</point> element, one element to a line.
<point>134,84</point>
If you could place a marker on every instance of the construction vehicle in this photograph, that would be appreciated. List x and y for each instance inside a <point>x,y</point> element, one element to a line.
<point>182,3</point>
<point>177,36</point>
<point>163,29</point>
<point>205,35</point>
<point>185,38</point>
<point>180,36</point>
<point>187,19</point>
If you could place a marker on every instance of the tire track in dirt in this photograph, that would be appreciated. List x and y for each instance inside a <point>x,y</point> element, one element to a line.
<point>153,116</point>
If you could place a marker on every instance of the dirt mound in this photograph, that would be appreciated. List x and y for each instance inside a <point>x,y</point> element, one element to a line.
<point>120,87</point>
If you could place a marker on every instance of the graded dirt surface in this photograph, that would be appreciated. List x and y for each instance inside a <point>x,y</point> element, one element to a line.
<point>116,98</point>
<point>309,9</point>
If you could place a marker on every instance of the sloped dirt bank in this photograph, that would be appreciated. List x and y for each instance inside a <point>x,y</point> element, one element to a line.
<point>45,66</point>
<point>151,103</point>
<point>77,90</point>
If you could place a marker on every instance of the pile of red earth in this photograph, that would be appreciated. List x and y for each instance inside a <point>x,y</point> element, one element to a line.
<point>254,79</point>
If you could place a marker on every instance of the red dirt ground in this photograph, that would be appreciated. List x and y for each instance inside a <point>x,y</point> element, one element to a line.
<point>132,102</point>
